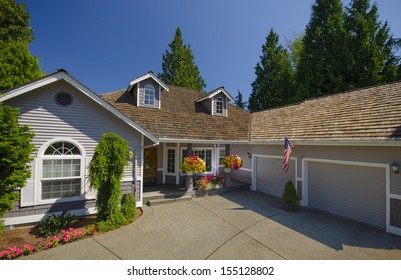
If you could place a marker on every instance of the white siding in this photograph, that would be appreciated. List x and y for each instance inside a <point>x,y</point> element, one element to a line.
<point>84,121</point>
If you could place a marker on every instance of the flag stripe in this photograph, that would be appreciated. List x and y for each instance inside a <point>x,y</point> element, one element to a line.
<point>288,146</point>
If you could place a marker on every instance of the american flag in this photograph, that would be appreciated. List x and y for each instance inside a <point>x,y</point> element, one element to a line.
<point>288,146</point>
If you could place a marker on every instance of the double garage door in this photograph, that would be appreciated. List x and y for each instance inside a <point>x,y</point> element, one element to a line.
<point>352,190</point>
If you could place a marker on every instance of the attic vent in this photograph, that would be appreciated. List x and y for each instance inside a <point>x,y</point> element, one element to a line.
<point>63,99</point>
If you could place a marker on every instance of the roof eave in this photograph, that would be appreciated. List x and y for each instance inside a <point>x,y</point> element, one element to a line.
<point>147,76</point>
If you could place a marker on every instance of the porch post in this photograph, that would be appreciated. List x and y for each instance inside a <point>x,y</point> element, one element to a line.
<point>189,149</point>
<point>227,171</point>
<point>228,149</point>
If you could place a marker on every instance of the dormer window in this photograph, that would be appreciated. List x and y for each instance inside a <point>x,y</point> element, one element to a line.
<point>219,105</point>
<point>149,98</point>
<point>147,90</point>
<point>216,102</point>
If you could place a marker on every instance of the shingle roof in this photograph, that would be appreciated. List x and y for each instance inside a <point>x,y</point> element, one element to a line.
<point>369,114</point>
<point>180,117</point>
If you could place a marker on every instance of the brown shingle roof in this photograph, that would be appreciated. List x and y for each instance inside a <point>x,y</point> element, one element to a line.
<point>369,114</point>
<point>180,117</point>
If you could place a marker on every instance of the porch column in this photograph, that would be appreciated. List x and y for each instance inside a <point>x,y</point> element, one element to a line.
<point>189,149</point>
<point>228,149</point>
<point>178,160</point>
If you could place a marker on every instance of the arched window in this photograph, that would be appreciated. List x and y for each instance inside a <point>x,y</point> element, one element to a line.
<point>219,105</point>
<point>61,171</point>
<point>149,95</point>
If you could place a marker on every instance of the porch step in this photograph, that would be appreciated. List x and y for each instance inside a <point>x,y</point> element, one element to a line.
<point>164,200</point>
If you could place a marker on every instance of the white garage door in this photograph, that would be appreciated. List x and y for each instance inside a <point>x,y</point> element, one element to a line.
<point>270,178</point>
<point>353,191</point>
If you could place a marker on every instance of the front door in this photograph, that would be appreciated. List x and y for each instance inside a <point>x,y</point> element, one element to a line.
<point>150,166</point>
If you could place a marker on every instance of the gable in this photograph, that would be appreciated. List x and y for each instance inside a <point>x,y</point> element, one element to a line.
<point>216,102</point>
<point>62,75</point>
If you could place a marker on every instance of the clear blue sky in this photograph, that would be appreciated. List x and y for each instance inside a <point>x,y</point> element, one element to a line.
<point>105,44</point>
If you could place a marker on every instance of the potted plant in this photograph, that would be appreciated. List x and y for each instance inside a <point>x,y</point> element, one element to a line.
<point>290,198</point>
<point>190,165</point>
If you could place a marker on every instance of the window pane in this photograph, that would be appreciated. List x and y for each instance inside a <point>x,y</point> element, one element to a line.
<point>61,188</point>
<point>208,160</point>
<point>171,161</point>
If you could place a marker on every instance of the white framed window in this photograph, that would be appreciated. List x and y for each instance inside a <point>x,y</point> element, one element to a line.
<point>204,153</point>
<point>222,155</point>
<point>219,105</point>
<point>149,95</point>
<point>61,171</point>
<point>171,161</point>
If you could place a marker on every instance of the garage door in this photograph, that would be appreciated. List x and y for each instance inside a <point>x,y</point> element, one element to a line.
<point>352,191</point>
<point>270,178</point>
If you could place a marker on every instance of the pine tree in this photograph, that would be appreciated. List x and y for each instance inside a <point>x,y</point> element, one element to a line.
<point>371,48</point>
<point>274,78</point>
<point>17,65</point>
<point>179,67</point>
<point>239,101</point>
<point>324,54</point>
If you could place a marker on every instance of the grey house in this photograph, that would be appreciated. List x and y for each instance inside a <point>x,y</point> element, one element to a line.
<point>347,145</point>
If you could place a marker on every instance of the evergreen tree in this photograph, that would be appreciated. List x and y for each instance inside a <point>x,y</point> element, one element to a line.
<point>178,65</point>
<point>324,54</point>
<point>371,48</point>
<point>239,101</point>
<point>274,78</point>
<point>106,171</point>
<point>17,65</point>
<point>15,151</point>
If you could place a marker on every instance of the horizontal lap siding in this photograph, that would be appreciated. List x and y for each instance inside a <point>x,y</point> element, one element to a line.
<point>270,178</point>
<point>84,121</point>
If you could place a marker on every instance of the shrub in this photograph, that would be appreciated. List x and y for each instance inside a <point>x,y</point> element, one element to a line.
<point>128,206</point>
<point>53,224</point>
<point>15,151</point>
<point>106,170</point>
<point>290,198</point>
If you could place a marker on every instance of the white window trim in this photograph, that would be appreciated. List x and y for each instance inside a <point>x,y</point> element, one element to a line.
<point>39,168</point>
<point>199,149</point>
<point>217,100</point>
<point>225,107</point>
<point>175,162</point>
<point>218,156</point>
<point>151,88</point>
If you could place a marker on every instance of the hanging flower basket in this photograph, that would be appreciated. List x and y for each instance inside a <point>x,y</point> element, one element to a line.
<point>193,164</point>
<point>232,161</point>
<point>190,165</point>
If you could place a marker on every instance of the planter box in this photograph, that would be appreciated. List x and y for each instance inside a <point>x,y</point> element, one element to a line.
<point>207,192</point>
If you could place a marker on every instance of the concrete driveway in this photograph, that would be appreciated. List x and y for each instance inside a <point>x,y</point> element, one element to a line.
<point>240,225</point>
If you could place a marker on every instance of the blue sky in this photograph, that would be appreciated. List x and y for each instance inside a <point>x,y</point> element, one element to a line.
<point>105,44</point>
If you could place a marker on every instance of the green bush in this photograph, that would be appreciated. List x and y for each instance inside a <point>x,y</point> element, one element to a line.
<point>128,206</point>
<point>290,198</point>
<point>53,224</point>
<point>106,170</point>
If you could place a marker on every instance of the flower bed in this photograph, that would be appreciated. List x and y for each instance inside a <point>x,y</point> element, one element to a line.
<point>66,236</point>
<point>209,182</point>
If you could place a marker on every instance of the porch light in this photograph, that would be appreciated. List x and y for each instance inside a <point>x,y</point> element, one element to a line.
<point>395,167</point>
<point>248,155</point>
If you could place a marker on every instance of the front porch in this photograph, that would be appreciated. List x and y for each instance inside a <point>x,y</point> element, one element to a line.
<point>169,193</point>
